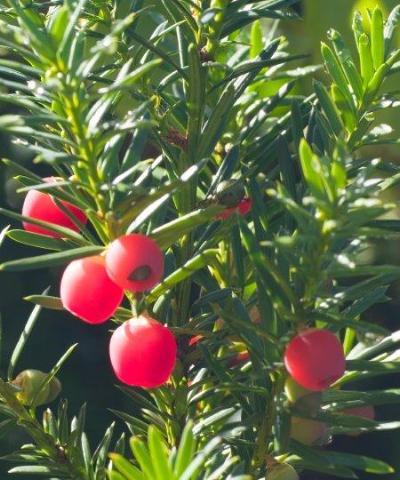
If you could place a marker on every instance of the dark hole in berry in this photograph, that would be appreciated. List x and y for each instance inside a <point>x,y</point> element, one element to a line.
<point>140,273</point>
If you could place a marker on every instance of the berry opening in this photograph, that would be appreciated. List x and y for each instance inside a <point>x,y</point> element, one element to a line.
<point>140,273</point>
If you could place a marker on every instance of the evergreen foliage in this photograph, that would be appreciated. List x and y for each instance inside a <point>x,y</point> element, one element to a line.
<point>161,118</point>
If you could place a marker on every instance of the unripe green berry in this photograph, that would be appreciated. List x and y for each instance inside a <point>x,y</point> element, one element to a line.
<point>54,389</point>
<point>31,388</point>
<point>31,383</point>
<point>308,432</point>
<point>282,471</point>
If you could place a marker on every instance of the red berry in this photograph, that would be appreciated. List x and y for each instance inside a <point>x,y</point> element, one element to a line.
<point>315,359</point>
<point>87,292</point>
<point>41,206</point>
<point>243,208</point>
<point>143,352</point>
<point>135,262</point>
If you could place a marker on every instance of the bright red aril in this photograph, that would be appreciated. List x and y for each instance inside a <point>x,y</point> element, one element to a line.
<point>315,359</point>
<point>135,262</point>
<point>87,291</point>
<point>41,206</point>
<point>143,352</point>
<point>244,206</point>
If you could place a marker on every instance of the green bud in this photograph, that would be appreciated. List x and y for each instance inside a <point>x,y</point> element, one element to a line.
<point>282,471</point>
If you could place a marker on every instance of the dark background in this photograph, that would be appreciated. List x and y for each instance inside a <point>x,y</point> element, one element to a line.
<point>87,376</point>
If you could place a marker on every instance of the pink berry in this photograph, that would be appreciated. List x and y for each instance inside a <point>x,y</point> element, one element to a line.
<point>143,352</point>
<point>315,359</point>
<point>87,292</point>
<point>135,262</point>
<point>367,411</point>
<point>41,206</point>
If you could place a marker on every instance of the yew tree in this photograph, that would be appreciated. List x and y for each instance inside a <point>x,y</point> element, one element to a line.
<point>217,217</point>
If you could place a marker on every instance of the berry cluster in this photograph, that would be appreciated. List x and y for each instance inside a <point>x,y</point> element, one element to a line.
<point>92,288</point>
<point>142,351</point>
